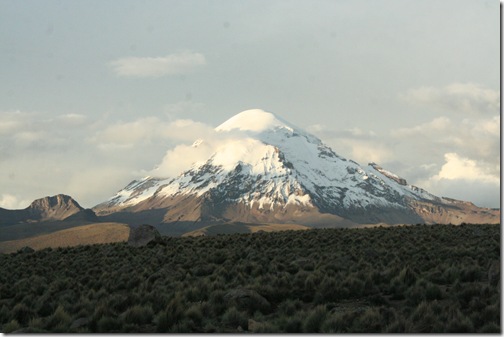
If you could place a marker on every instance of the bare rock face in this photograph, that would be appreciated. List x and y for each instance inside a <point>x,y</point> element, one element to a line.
<point>142,235</point>
<point>57,207</point>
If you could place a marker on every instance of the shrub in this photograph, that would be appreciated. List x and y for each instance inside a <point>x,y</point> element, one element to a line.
<point>329,290</point>
<point>433,292</point>
<point>217,302</point>
<point>22,314</point>
<point>234,318</point>
<point>173,313</point>
<point>293,325</point>
<point>335,323</point>
<point>492,313</point>
<point>91,282</point>
<point>118,302</point>
<point>415,294</point>
<point>108,324</point>
<point>265,327</point>
<point>60,319</point>
<point>138,315</point>
<point>408,276</point>
<point>289,307</point>
<point>368,321</point>
<point>4,314</point>
<point>315,319</point>
<point>36,323</point>
<point>424,319</point>
<point>162,322</point>
<point>459,323</point>
<point>490,328</point>
<point>195,313</point>
<point>11,326</point>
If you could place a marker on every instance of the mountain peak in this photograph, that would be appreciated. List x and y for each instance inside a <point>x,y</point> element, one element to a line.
<point>54,208</point>
<point>53,202</point>
<point>269,171</point>
<point>255,120</point>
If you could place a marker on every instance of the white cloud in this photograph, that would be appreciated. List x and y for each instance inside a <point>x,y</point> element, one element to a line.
<point>29,137</point>
<point>457,167</point>
<point>93,184</point>
<point>72,119</point>
<point>12,121</point>
<point>471,137</point>
<point>363,151</point>
<point>362,146</point>
<point>465,179</point>
<point>437,124</point>
<point>181,158</point>
<point>484,126</point>
<point>173,64</point>
<point>10,201</point>
<point>456,97</point>
<point>147,130</point>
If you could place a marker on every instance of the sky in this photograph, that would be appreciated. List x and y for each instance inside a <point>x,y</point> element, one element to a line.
<point>95,94</point>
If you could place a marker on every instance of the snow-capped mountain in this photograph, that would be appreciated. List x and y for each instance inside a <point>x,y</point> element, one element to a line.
<point>268,170</point>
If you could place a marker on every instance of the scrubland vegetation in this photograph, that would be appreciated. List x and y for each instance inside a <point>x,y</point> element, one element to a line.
<point>420,279</point>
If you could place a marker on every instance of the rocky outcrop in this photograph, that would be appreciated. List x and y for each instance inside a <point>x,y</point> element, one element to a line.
<point>143,235</point>
<point>452,211</point>
<point>397,179</point>
<point>56,208</point>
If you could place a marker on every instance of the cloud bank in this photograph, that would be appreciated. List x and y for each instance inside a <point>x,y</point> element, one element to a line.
<point>462,97</point>
<point>172,64</point>
<point>43,155</point>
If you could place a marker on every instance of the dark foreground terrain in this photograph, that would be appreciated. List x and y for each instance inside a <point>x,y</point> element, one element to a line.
<point>439,278</point>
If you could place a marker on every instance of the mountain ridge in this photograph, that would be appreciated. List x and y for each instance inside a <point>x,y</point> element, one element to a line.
<point>50,208</point>
<point>272,171</point>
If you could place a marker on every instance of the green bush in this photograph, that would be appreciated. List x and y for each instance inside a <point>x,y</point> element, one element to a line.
<point>11,326</point>
<point>138,314</point>
<point>315,319</point>
<point>60,320</point>
<point>108,324</point>
<point>433,292</point>
<point>325,280</point>
<point>369,321</point>
<point>490,328</point>
<point>22,314</point>
<point>459,323</point>
<point>234,318</point>
<point>293,325</point>
<point>334,323</point>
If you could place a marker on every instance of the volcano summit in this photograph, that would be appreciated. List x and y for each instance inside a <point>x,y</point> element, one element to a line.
<point>266,170</point>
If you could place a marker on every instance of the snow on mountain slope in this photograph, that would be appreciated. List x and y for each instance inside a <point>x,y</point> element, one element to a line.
<point>268,165</point>
<point>255,120</point>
